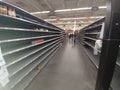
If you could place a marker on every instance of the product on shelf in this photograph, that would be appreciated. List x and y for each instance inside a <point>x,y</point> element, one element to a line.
<point>98,46</point>
<point>41,29</point>
<point>38,67</point>
<point>3,10</point>
<point>46,30</point>
<point>37,41</point>
<point>11,12</point>
<point>35,29</point>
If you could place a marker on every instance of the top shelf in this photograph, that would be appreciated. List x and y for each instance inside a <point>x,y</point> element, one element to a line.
<point>27,18</point>
<point>19,22</point>
<point>93,27</point>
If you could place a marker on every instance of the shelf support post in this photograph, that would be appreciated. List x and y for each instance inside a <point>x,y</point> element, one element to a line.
<point>110,46</point>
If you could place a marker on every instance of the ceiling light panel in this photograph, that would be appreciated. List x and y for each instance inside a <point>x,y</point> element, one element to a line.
<point>40,12</point>
<point>66,10</point>
<point>75,9</point>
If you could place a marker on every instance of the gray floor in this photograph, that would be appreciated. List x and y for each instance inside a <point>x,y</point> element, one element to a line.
<point>70,69</point>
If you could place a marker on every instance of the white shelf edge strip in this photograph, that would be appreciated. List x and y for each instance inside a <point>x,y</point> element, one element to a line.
<point>28,38</point>
<point>26,47</point>
<point>21,29</point>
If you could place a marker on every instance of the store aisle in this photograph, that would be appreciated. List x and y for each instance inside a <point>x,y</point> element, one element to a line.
<point>70,69</point>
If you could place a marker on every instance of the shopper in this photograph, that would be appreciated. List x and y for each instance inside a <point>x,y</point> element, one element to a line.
<point>75,38</point>
<point>69,36</point>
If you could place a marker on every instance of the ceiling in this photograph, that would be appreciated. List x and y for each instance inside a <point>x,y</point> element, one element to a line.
<point>52,5</point>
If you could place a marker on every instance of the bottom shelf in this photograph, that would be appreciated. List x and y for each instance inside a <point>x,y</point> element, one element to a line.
<point>26,81</point>
<point>95,60</point>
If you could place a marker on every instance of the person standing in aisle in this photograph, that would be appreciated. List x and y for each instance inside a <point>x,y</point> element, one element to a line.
<point>69,36</point>
<point>74,38</point>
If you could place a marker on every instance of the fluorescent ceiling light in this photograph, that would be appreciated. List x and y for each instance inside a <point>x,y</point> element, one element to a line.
<point>102,7</point>
<point>40,12</point>
<point>75,9</point>
<point>62,19</point>
<point>66,10</point>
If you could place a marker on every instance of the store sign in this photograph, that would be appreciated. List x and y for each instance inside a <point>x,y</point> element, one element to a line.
<point>74,26</point>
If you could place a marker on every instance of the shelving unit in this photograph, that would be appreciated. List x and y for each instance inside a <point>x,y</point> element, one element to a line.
<point>90,34</point>
<point>87,37</point>
<point>26,51</point>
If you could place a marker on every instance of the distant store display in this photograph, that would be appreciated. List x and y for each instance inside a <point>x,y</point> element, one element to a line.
<point>88,16</point>
<point>57,18</point>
